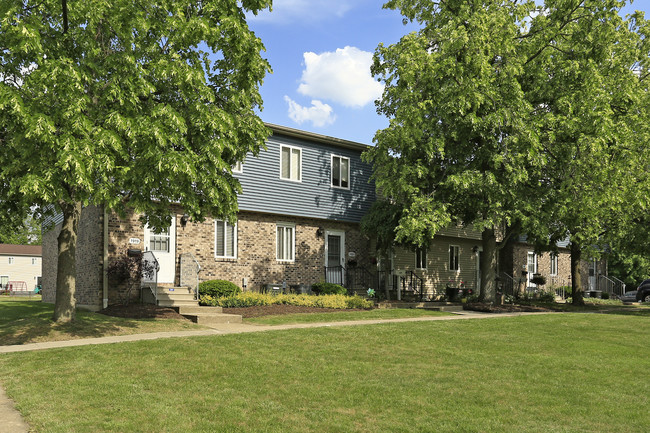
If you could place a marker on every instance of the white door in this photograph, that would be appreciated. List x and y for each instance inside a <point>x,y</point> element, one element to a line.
<point>163,246</point>
<point>592,274</point>
<point>531,268</point>
<point>335,257</point>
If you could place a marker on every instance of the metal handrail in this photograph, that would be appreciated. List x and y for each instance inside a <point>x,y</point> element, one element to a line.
<point>149,255</point>
<point>413,286</point>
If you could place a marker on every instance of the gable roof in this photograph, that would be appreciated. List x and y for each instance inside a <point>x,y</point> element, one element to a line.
<point>21,250</point>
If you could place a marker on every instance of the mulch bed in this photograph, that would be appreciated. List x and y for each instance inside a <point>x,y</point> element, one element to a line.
<point>506,308</point>
<point>142,311</point>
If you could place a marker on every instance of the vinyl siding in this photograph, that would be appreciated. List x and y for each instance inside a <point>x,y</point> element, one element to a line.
<point>21,269</point>
<point>313,196</point>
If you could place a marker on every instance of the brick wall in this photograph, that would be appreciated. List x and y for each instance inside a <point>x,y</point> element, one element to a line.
<point>89,260</point>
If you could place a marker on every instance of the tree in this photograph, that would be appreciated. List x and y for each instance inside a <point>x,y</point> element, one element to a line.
<point>458,146</point>
<point>124,104</point>
<point>26,232</point>
<point>586,78</point>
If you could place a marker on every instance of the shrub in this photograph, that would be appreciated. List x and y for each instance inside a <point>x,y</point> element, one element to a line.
<point>251,299</point>
<point>547,296</point>
<point>358,302</point>
<point>329,289</point>
<point>218,288</point>
<point>605,295</point>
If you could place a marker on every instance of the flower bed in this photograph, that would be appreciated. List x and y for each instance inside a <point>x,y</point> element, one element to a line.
<point>251,299</point>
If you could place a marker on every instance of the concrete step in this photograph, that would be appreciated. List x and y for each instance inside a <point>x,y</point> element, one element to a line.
<point>174,303</point>
<point>199,310</point>
<point>176,296</point>
<point>213,318</point>
<point>180,290</point>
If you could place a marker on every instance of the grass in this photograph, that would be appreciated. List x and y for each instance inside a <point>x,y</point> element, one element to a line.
<point>340,316</point>
<point>550,373</point>
<point>30,321</point>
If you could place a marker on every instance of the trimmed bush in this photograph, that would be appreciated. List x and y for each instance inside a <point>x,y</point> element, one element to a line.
<point>328,289</point>
<point>218,288</point>
<point>251,299</point>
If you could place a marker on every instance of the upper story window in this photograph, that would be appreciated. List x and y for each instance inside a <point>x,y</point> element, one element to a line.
<point>553,264</point>
<point>454,256</point>
<point>11,260</point>
<point>340,171</point>
<point>225,240</point>
<point>34,260</point>
<point>238,167</point>
<point>285,242</point>
<point>290,163</point>
<point>421,258</point>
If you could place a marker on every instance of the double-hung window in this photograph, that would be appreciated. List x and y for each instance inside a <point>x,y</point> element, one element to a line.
<point>225,240</point>
<point>34,260</point>
<point>340,172</point>
<point>238,167</point>
<point>454,256</point>
<point>553,264</point>
<point>285,242</point>
<point>11,260</point>
<point>290,163</point>
<point>421,258</point>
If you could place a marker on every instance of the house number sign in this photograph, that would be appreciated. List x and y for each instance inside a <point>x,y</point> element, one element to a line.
<point>134,241</point>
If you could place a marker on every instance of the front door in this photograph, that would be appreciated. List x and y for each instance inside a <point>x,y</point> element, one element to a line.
<point>531,268</point>
<point>592,274</point>
<point>163,246</point>
<point>479,258</point>
<point>335,257</point>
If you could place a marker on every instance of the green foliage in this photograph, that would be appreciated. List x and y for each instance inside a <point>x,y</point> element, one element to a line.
<point>538,279</point>
<point>251,299</point>
<point>328,289</point>
<point>115,103</point>
<point>27,232</point>
<point>218,288</point>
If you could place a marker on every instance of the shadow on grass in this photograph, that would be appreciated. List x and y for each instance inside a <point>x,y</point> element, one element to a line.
<point>31,321</point>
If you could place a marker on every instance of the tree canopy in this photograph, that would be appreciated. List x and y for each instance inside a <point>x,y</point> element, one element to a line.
<point>125,104</point>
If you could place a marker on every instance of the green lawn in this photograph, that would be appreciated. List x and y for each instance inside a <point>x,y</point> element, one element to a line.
<point>30,321</point>
<point>549,373</point>
<point>339,316</point>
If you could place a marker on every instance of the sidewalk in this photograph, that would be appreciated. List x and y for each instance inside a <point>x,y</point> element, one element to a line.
<point>12,421</point>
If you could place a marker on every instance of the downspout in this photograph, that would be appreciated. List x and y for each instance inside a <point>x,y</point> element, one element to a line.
<point>105,262</point>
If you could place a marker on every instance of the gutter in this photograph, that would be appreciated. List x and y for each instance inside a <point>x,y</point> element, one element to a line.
<point>105,261</point>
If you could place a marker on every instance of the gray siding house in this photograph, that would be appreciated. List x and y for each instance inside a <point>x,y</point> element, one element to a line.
<point>298,223</point>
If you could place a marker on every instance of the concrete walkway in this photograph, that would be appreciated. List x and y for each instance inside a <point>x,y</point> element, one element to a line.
<point>12,422</point>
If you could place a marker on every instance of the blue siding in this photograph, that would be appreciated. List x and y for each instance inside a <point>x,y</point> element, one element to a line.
<point>264,191</point>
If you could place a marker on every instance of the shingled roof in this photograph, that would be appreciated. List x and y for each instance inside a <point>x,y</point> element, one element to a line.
<point>21,250</point>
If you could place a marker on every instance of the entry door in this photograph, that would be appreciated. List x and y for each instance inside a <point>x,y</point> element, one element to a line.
<point>531,268</point>
<point>592,274</point>
<point>335,257</point>
<point>163,246</point>
<point>479,258</point>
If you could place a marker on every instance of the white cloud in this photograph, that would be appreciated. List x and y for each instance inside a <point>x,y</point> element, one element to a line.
<point>342,76</point>
<point>318,114</point>
<point>299,11</point>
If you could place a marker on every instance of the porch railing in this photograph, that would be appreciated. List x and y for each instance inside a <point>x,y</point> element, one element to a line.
<point>507,284</point>
<point>413,284</point>
<point>335,274</point>
<point>611,285</point>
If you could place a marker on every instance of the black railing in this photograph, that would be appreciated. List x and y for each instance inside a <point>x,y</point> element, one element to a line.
<point>413,284</point>
<point>353,278</point>
<point>335,274</point>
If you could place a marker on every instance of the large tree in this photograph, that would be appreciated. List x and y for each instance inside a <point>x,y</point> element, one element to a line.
<point>126,104</point>
<point>459,146</point>
<point>587,79</point>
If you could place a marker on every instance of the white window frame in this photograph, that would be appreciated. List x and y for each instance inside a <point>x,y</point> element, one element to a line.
<point>238,167</point>
<point>282,227</point>
<point>421,253</point>
<point>456,248</point>
<point>34,260</point>
<point>341,158</point>
<point>225,240</point>
<point>11,260</point>
<point>291,149</point>
<point>554,265</point>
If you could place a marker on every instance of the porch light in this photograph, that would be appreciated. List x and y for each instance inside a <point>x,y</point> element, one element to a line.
<point>184,219</point>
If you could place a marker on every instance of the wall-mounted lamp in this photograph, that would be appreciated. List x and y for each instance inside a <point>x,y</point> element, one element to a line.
<point>184,219</point>
<point>319,232</point>
<point>475,249</point>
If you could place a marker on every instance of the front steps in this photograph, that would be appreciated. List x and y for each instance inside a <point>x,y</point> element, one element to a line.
<point>182,300</point>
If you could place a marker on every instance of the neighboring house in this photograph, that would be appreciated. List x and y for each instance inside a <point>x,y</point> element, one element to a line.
<point>20,267</point>
<point>298,223</point>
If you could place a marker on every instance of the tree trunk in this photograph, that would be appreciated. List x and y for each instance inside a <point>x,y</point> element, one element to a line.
<point>488,266</point>
<point>576,276</point>
<point>64,306</point>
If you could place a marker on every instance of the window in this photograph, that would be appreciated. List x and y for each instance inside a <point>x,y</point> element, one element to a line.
<point>159,241</point>
<point>454,253</point>
<point>238,167</point>
<point>290,163</point>
<point>421,258</point>
<point>340,172</point>
<point>553,264</point>
<point>34,260</point>
<point>11,260</point>
<point>285,241</point>
<point>225,239</point>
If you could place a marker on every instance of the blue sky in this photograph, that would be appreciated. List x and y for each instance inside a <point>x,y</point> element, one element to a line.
<point>320,52</point>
